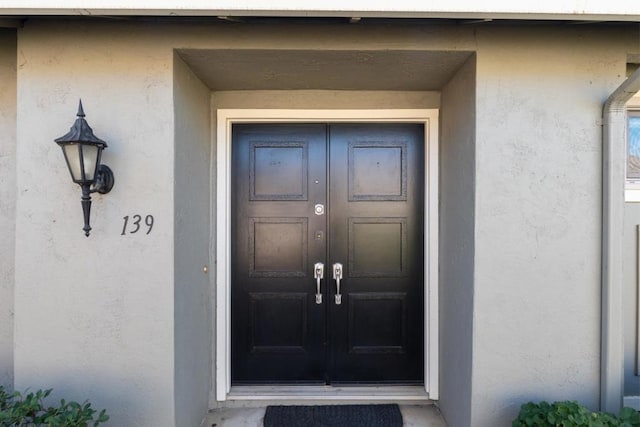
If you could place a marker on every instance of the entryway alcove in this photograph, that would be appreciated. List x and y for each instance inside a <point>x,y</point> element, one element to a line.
<point>330,86</point>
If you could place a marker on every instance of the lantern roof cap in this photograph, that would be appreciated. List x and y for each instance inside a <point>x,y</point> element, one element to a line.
<point>81,132</point>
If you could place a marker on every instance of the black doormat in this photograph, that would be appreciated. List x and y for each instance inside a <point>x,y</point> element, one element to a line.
<point>333,416</point>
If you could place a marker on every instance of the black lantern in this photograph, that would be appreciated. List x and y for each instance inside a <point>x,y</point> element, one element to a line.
<point>82,151</point>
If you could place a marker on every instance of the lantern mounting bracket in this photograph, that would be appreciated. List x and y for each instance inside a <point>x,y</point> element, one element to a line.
<point>104,180</point>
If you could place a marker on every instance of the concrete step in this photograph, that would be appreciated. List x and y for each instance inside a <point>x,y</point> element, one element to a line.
<point>412,415</point>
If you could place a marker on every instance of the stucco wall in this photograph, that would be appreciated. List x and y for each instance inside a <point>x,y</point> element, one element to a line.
<point>457,211</point>
<point>95,316</point>
<point>7,199</point>
<point>538,215</point>
<point>193,192</point>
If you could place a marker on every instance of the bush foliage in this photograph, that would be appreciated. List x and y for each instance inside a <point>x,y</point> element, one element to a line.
<point>28,410</point>
<point>572,414</point>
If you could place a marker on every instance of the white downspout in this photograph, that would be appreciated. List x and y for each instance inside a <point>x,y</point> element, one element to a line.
<point>613,178</point>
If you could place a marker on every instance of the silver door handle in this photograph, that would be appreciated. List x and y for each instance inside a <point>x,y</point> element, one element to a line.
<point>318,274</point>
<point>337,275</point>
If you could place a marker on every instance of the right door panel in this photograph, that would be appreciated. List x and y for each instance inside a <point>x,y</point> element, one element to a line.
<point>376,221</point>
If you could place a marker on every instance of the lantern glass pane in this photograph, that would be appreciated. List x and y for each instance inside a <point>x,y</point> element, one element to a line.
<point>72,155</point>
<point>90,156</point>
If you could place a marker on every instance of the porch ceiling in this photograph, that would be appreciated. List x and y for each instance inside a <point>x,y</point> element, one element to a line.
<point>272,69</point>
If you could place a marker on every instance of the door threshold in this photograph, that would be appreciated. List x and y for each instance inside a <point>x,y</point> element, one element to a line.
<point>328,392</point>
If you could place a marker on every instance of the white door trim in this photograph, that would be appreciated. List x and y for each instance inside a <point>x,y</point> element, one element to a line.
<point>225,119</point>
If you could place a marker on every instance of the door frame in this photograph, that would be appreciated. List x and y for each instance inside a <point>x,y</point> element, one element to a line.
<point>222,208</point>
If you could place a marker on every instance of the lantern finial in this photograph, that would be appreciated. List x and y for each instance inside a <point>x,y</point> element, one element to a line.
<point>80,109</point>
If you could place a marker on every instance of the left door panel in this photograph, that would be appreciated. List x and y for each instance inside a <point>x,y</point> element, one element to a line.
<point>278,328</point>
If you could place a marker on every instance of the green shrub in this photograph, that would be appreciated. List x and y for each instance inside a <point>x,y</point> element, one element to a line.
<point>28,410</point>
<point>572,414</point>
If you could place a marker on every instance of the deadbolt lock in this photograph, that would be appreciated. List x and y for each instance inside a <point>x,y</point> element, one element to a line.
<point>319,209</point>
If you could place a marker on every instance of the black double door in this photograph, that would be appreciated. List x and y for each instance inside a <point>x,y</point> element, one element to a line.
<point>315,206</point>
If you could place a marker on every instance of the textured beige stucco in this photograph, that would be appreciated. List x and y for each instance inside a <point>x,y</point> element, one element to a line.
<point>95,316</point>
<point>192,292</point>
<point>102,317</point>
<point>538,215</point>
<point>457,222</point>
<point>7,200</point>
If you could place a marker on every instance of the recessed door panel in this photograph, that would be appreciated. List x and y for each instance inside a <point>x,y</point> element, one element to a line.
<point>377,170</point>
<point>278,170</point>
<point>278,322</point>
<point>377,247</point>
<point>278,247</point>
<point>327,225</point>
<point>377,322</point>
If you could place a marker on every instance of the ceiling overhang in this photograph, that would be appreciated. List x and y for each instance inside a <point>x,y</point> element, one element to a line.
<point>273,69</point>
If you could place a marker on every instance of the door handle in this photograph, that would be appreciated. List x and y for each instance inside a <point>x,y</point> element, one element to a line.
<point>337,275</point>
<point>318,274</point>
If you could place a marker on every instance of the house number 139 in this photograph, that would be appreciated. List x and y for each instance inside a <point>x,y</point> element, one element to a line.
<point>135,225</point>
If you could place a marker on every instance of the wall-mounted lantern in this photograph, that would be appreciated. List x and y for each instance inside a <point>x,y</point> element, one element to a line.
<point>82,151</point>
